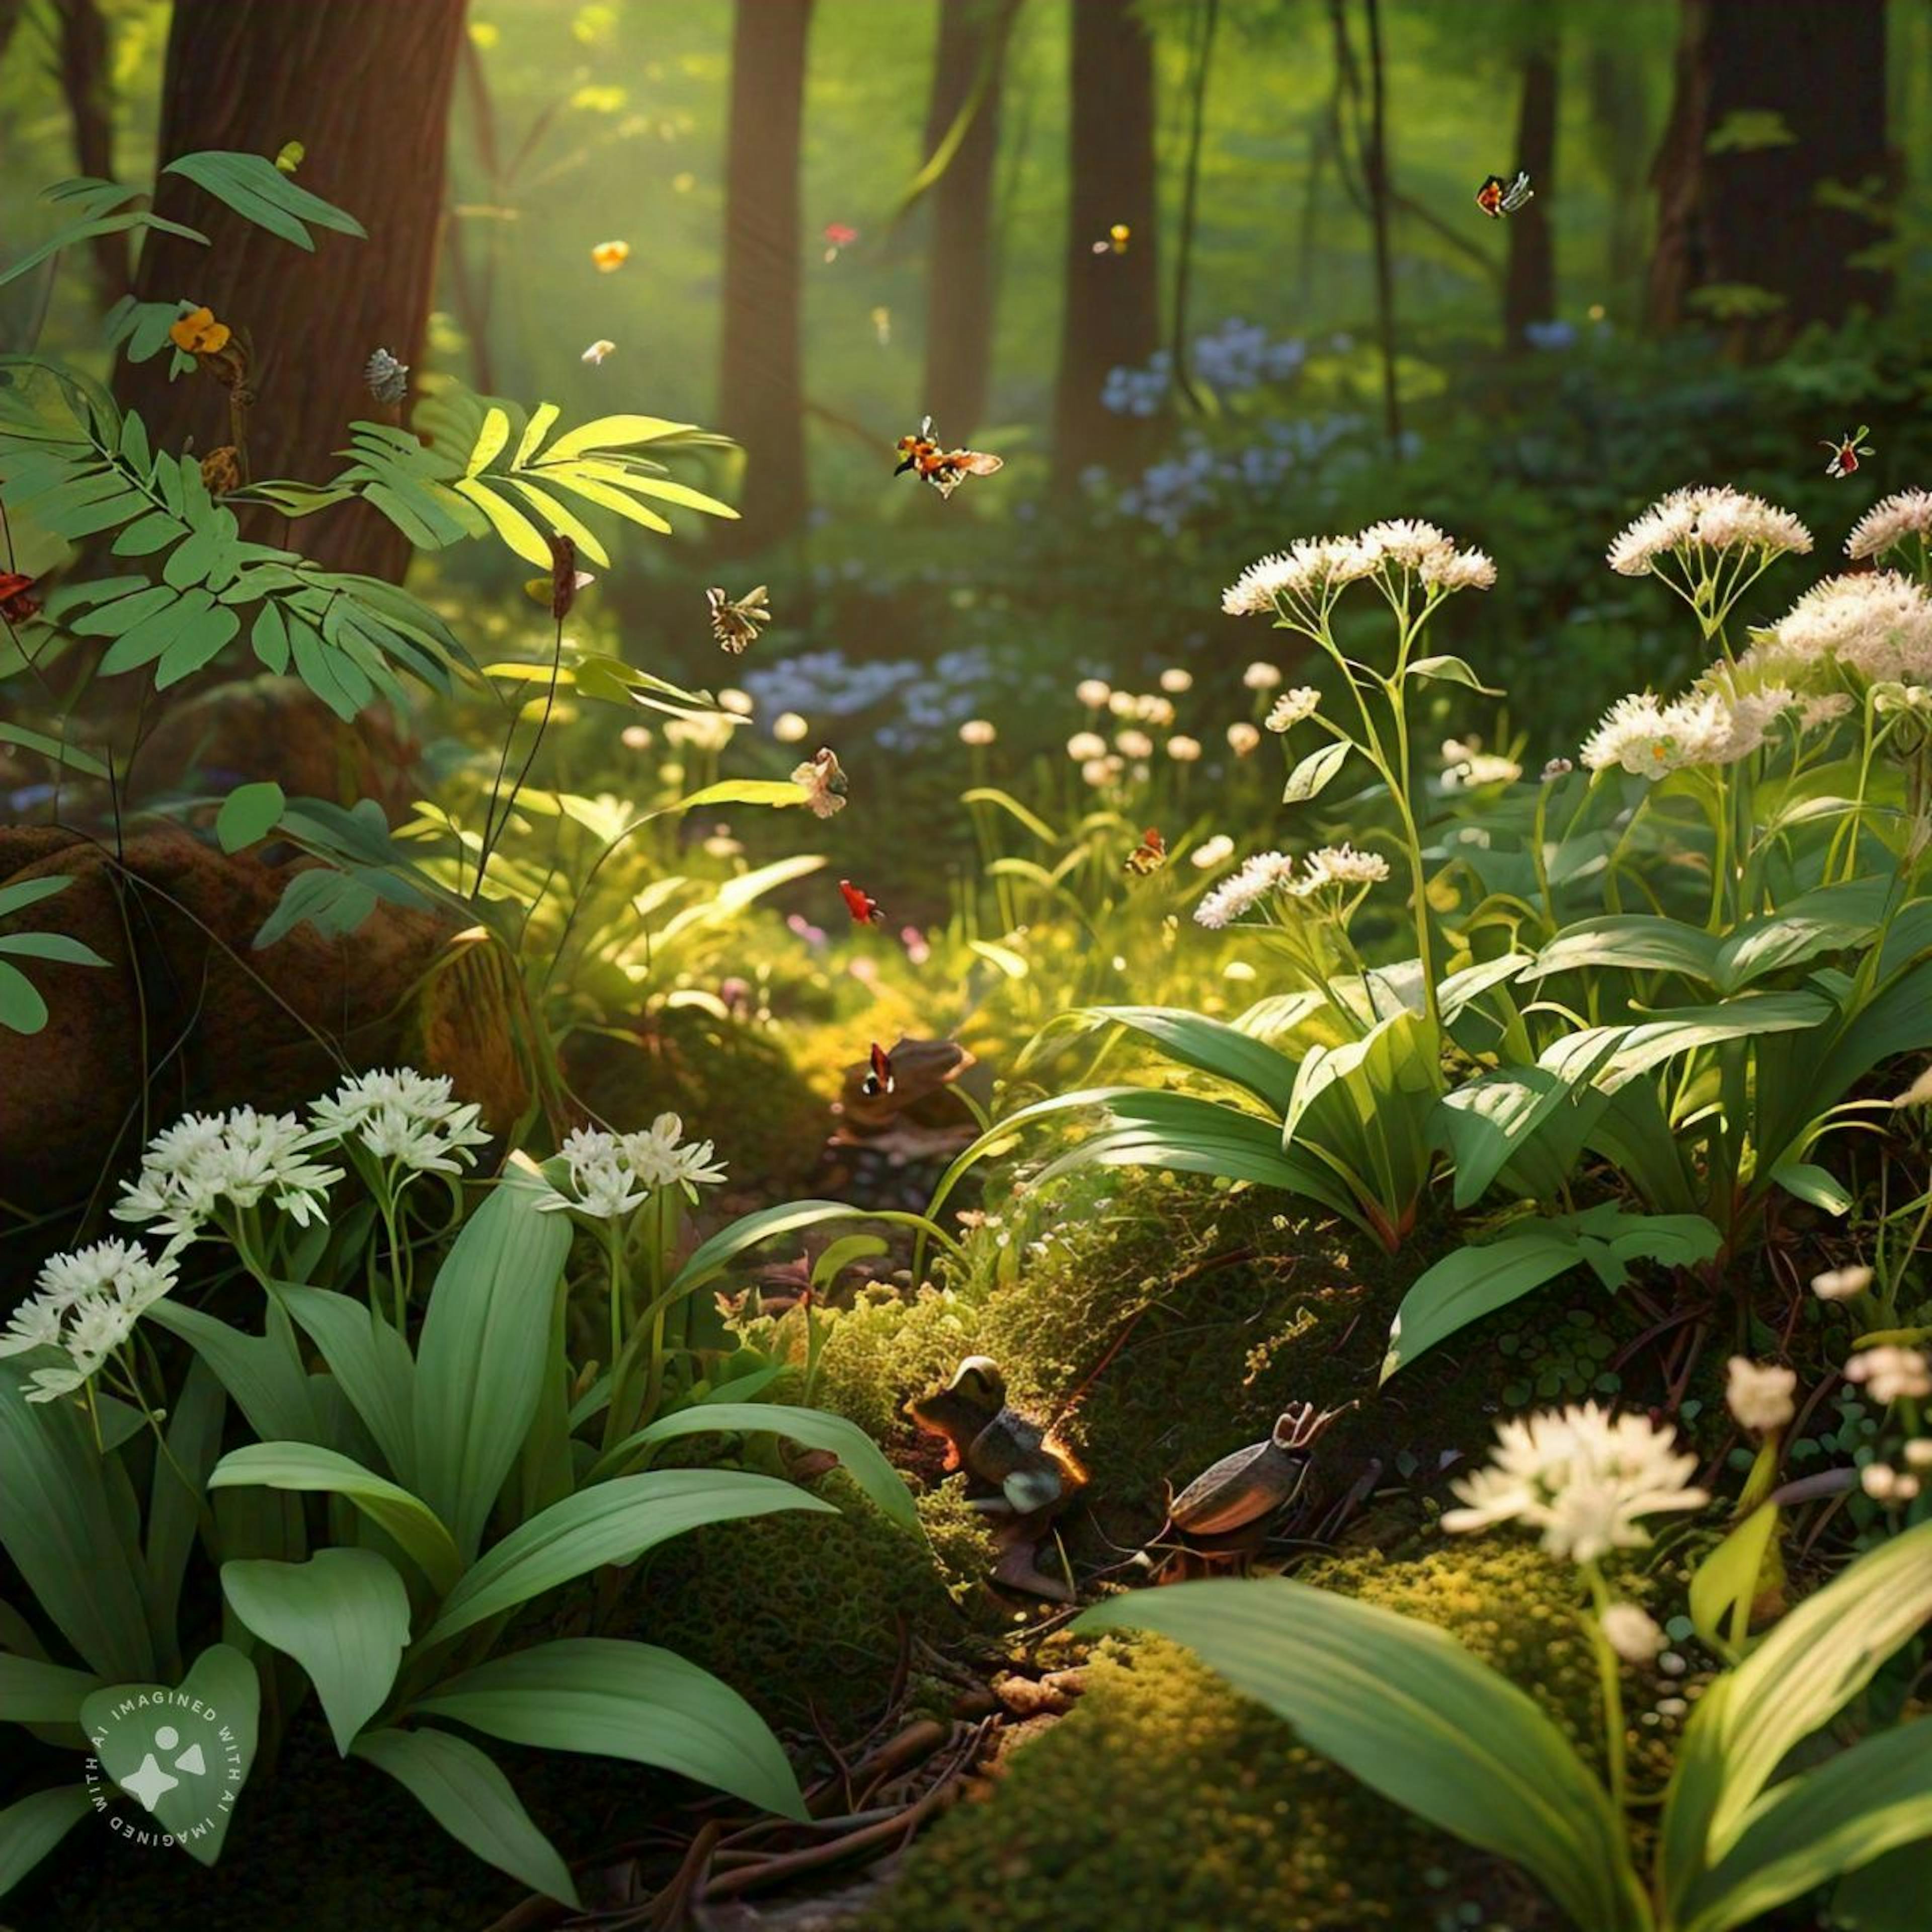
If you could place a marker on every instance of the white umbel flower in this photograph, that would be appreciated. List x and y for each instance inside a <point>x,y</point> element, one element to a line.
<point>87,1303</point>
<point>1581,1478</point>
<point>1841,1284</point>
<point>1292,707</point>
<point>404,1117</point>
<point>1407,542</point>
<point>1891,1374</point>
<point>1339,866</point>
<point>1710,519</point>
<point>1877,624</point>
<point>1759,1398</point>
<point>205,1164</point>
<point>1266,872</point>
<point>1891,521</point>
<point>1310,571</point>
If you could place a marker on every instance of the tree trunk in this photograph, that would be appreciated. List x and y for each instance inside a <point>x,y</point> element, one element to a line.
<point>966,76</point>
<point>1375,174</point>
<point>1750,216</point>
<point>1529,282</point>
<point>86,78</point>
<point>1208,19</point>
<point>365,84</point>
<point>1619,127</point>
<point>760,396</point>
<point>1111,319</point>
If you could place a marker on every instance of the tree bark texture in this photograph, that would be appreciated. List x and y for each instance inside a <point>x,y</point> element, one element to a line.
<point>967,69</point>
<point>1111,319</point>
<point>86,78</point>
<point>1752,215</point>
<point>1529,281</point>
<point>760,392</point>
<point>365,84</point>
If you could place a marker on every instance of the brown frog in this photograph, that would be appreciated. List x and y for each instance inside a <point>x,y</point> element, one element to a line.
<point>1015,1472</point>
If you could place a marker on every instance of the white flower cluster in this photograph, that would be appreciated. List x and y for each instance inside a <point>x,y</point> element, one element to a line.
<point>1877,624</point>
<point>1313,571</point>
<point>1891,1374</point>
<point>406,1118</point>
<point>1632,1632</point>
<point>1760,1396</point>
<point>1890,521</point>
<point>1581,1477</point>
<point>1480,768</point>
<point>1291,707</point>
<point>1719,722</point>
<point>205,1162</point>
<point>87,1303</point>
<point>1339,868</point>
<point>1703,518</point>
<point>610,1175</point>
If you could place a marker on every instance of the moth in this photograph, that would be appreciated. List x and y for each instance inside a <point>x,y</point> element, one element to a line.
<point>1497,197</point>
<point>1149,856</point>
<point>1845,455</point>
<point>863,907</point>
<point>879,1079</point>
<point>735,624</point>
<point>387,379</point>
<point>945,469</point>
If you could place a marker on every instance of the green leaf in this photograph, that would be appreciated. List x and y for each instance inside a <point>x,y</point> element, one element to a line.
<point>625,1700</point>
<point>344,1616</point>
<point>1450,670</point>
<point>1209,1046</point>
<point>861,1458</point>
<point>1809,1183</point>
<point>710,1257</point>
<point>31,892</point>
<point>472,1800</point>
<point>613,1523</point>
<point>485,1350</point>
<point>174,1507</point>
<point>1404,1708</point>
<point>1726,1581</point>
<point>248,813</point>
<point>371,1364</point>
<point>333,902</point>
<point>22,1008</point>
<point>32,1692</point>
<point>1637,940</point>
<point>262,1373</point>
<point>259,192</point>
<point>1310,778</point>
<point>71,756</point>
<point>509,523</point>
<point>198,1806</point>
<point>269,639</point>
<point>63,1528</point>
<point>31,1827</point>
<point>86,231</point>
<point>1463,1287</point>
<point>611,433</point>
<point>302,1466</point>
<point>54,946</point>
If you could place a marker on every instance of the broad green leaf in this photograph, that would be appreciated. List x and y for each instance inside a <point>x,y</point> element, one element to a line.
<point>1725,1582</point>
<point>31,892</point>
<point>484,1349</point>
<point>610,433</point>
<point>248,813</point>
<point>303,1467</point>
<point>613,1523</point>
<point>1809,1183</point>
<point>54,946</point>
<point>624,1700</point>
<point>33,1692</point>
<point>62,753</point>
<point>174,1507</point>
<point>61,1526</point>
<point>710,1257</point>
<point>1463,1287</point>
<point>31,1827</point>
<point>489,441</point>
<point>262,1373</point>
<point>333,902</point>
<point>1637,940</point>
<point>1450,670</point>
<point>509,522</point>
<point>86,231</point>
<point>22,1008</point>
<point>861,1457</point>
<point>1403,1707</point>
<point>199,1805</point>
<point>1885,1895</point>
<point>1832,919</point>
<point>1209,1046</point>
<point>1310,778</point>
<point>344,1616</point>
<point>472,1800</point>
<point>259,192</point>
<point>371,1362</point>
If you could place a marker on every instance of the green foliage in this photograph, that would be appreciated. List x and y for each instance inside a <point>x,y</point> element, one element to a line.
<point>21,1007</point>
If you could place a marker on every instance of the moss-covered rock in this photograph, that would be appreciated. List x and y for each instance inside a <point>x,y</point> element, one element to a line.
<point>1165,1802</point>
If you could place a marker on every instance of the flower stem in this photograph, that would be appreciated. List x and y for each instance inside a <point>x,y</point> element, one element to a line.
<point>1609,1675</point>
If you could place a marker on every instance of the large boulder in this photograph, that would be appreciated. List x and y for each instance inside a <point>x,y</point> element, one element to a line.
<point>188,1015</point>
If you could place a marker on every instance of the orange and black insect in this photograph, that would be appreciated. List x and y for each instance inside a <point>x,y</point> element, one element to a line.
<point>863,907</point>
<point>1845,455</point>
<point>945,469</point>
<point>1149,856</point>
<point>17,602</point>
<point>1497,197</point>
<point>879,1079</point>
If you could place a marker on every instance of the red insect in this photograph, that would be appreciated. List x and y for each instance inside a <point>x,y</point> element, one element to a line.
<point>880,1080</point>
<point>863,907</point>
<point>837,235</point>
<point>17,604</point>
<point>1497,197</point>
<point>1845,455</point>
<point>1150,855</point>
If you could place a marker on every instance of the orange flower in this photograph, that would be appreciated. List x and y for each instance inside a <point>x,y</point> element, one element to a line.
<point>611,256</point>
<point>199,333</point>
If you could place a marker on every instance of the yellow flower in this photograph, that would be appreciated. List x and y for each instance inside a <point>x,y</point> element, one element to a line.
<point>199,333</point>
<point>611,256</point>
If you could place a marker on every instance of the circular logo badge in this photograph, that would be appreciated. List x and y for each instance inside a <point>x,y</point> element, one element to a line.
<point>172,1754</point>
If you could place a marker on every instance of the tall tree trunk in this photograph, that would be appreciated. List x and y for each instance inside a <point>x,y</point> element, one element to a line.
<point>1111,319</point>
<point>967,75</point>
<point>760,396</point>
<point>1619,127</point>
<point>1207,20</point>
<point>86,78</point>
<point>1529,282</point>
<point>1750,214</point>
<point>365,84</point>
<point>1374,174</point>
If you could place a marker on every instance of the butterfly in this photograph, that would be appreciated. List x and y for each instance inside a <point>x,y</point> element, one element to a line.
<point>863,907</point>
<point>945,469</point>
<point>734,623</point>
<point>879,1079</point>
<point>1149,856</point>
<point>17,602</point>
<point>1497,197</point>
<point>822,779</point>
<point>1845,455</point>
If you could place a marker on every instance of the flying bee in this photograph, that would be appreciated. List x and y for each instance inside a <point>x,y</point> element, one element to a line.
<point>734,623</point>
<point>1845,455</point>
<point>1149,856</point>
<point>945,469</point>
<point>863,907</point>
<point>1497,197</point>
<point>879,1079</point>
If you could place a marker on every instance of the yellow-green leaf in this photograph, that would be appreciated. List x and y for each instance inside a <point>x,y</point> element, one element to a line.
<point>562,520</point>
<point>509,522</point>
<point>490,440</point>
<point>534,430</point>
<point>612,432</point>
